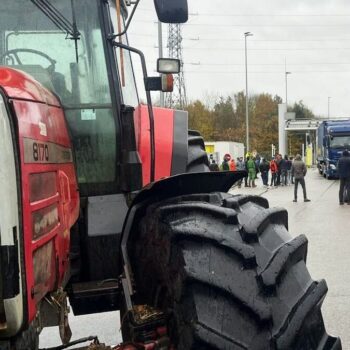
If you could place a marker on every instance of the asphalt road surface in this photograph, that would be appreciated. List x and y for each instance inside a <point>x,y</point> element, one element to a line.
<point>327,227</point>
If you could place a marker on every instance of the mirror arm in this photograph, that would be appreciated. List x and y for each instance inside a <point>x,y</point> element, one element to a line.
<point>149,102</point>
<point>113,36</point>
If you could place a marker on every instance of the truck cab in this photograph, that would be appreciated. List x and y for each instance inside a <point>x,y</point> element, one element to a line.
<point>333,139</point>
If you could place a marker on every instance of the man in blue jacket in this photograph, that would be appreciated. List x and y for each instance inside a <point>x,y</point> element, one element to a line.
<point>344,176</point>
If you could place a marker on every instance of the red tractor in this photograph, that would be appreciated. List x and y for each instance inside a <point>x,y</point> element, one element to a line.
<point>110,203</point>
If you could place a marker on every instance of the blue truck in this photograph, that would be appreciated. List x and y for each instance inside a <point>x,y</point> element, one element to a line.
<point>333,139</point>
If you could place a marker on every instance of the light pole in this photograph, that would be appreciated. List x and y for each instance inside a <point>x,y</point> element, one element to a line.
<point>329,99</point>
<point>286,75</point>
<point>246,34</point>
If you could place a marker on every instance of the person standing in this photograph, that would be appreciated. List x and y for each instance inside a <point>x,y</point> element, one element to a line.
<point>284,170</point>
<point>299,171</point>
<point>278,163</point>
<point>344,177</point>
<point>273,168</point>
<point>213,166</point>
<point>240,166</point>
<point>264,168</point>
<point>246,169</point>
<point>224,165</point>
<point>289,171</point>
<point>233,165</point>
<point>251,167</point>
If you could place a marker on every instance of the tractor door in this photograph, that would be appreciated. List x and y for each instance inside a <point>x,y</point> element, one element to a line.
<point>11,301</point>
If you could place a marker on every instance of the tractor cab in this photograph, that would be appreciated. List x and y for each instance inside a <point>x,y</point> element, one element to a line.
<point>63,44</point>
<point>68,46</point>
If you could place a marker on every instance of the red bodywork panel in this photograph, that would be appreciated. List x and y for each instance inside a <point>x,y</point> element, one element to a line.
<point>22,86</point>
<point>49,188</point>
<point>164,140</point>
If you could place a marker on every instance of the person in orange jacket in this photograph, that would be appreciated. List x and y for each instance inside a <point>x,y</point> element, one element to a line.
<point>233,165</point>
<point>274,170</point>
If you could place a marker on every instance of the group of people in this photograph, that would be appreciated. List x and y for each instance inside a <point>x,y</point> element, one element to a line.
<point>281,170</point>
<point>284,171</point>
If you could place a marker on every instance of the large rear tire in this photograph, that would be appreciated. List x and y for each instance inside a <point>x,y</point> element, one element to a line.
<point>197,161</point>
<point>228,274</point>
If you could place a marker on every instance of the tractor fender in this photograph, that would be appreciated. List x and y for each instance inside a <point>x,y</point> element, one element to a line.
<point>183,184</point>
<point>189,183</point>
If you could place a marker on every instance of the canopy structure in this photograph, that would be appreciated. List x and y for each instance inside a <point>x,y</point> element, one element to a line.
<point>302,124</point>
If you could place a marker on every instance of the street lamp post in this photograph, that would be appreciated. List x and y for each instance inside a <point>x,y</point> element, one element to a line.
<point>329,99</point>
<point>286,75</point>
<point>246,34</point>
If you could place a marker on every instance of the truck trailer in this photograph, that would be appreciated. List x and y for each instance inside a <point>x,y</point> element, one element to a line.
<point>217,150</point>
<point>333,139</point>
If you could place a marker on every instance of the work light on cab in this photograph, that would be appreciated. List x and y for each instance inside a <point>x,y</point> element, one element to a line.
<point>168,65</point>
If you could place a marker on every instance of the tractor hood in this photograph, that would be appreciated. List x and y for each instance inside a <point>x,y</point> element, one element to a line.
<point>19,85</point>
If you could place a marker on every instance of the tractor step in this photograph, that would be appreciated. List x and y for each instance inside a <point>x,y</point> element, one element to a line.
<point>94,297</point>
<point>148,331</point>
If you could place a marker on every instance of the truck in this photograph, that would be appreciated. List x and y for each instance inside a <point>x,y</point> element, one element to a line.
<point>109,204</point>
<point>333,137</point>
<point>217,150</point>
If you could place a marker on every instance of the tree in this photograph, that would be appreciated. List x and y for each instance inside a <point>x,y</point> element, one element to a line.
<point>223,115</point>
<point>200,118</point>
<point>264,123</point>
<point>225,121</point>
<point>301,111</point>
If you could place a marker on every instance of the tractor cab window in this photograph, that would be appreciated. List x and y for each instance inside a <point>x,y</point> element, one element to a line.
<point>72,67</point>
<point>125,66</point>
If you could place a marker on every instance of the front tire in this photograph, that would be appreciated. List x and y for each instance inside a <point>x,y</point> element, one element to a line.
<point>229,275</point>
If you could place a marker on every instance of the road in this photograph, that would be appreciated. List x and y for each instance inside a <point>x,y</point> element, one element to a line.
<point>323,221</point>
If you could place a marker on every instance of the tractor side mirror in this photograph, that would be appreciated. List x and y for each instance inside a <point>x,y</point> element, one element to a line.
<point>172,11</point>
<point>163,83</point>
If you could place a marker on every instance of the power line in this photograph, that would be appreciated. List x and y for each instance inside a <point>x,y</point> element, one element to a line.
<point>270,15</point>
<point>267,40</point>
<point>216,25</point>
<point>264,72</point>
<point>265,64</point>
<point>240,40</point>
<point>257,49</point>
<point>268,49</point>
<point>261,15</point>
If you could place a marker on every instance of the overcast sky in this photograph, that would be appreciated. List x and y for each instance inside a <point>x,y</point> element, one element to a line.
<point>311,36</point>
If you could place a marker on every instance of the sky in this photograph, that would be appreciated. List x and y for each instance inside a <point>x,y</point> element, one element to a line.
<point>308,38</point>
